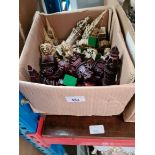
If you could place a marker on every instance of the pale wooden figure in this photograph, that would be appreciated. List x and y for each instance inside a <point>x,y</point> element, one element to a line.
<point>47,38</point>
<point>47,49</point>
<point>77,31</point>
<point>89,28</point>
<point>51,33</point>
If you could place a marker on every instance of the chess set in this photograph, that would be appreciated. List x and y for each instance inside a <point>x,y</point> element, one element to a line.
<point>85,58</point>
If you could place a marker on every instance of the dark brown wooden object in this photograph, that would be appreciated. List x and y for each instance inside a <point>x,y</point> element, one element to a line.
<point>78,126</point>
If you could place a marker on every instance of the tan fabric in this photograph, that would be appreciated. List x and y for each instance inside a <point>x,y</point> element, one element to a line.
<point>103,101</point>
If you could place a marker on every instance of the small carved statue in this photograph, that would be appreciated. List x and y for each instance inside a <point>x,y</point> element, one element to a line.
<point>89,28</point>
<point>77,32</point>
<point>98,67</point>
<point>62,69</point>
<point>83,71</point>
<point>51,33</point>
<point>47,49</point>
<point>48,66</point>
<point>33,74</point>
<point>64,50</point>
<point>112,62</point>
<point>67,49</point>
<point>75,60</point>
<point>102,33</point>
<point>47,38</point>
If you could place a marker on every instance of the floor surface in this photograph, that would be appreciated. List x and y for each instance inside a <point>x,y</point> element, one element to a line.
<point>27,149</point>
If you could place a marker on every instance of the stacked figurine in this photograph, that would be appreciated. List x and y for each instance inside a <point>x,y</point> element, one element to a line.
<point>93,25</point>
<point>34,75</point>
<point>84,59</point>
<point>77,32</point>
<point>112,62</point>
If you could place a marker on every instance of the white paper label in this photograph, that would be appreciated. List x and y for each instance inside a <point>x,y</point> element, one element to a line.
<point>75,99</point>
<point>96,129</point>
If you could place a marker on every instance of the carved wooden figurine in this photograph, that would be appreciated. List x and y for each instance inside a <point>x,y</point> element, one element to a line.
<point>112,62</point>
<point>77,32</point>
<point>89,28</point>
<point>47,49</point>
<point>51,33</point>
<point>33,74</point>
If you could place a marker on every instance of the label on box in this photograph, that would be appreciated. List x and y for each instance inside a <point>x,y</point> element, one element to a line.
<point>96,129</point>
<point>75,99</point>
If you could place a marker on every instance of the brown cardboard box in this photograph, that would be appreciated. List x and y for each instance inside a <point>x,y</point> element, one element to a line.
<point>129,37</point>
<point>95,100</point>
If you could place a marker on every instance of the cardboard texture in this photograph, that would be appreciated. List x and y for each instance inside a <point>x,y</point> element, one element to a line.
<point>126,27</point>
<point>21,39</point>
<point>26,11</point>
<point>99,100</point>
<point>129,112</point>
<point>129,37</point>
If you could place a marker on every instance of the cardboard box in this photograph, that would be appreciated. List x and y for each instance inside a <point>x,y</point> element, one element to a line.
<point>59,100</point>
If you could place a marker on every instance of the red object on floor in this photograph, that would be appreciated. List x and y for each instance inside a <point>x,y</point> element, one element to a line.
<point>47,141</point>
<point>37,138</point>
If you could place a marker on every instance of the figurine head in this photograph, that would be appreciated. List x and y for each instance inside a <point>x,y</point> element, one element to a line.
<point>113,58</point>
<point>46,49</point>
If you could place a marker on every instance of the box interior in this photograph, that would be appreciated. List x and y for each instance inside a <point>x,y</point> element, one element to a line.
<point>63,24</point>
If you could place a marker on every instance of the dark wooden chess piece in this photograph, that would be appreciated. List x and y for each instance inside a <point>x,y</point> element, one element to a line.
<point>111,67</point>
<point>33,74</point>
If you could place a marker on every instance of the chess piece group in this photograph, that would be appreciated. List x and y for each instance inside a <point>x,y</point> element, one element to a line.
<point>85,56</point>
